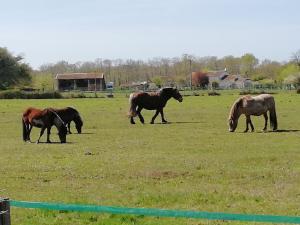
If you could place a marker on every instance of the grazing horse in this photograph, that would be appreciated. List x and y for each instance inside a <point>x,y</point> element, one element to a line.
<point>43,119</point>
<point>151,101</point>
<point>256,106</point>
<point>68,115</point>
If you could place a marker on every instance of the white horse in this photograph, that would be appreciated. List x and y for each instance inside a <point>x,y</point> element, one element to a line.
<point>256,106</point>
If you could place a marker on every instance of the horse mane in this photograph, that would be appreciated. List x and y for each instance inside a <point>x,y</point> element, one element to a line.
<point>234,109</point>
<point>165,88</point>
<point>73,108</point>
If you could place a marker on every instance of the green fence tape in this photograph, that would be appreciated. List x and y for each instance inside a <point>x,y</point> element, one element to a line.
<point>157,212</point>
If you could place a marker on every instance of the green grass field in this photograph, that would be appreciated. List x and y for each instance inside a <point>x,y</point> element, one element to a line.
<point>193,163</point>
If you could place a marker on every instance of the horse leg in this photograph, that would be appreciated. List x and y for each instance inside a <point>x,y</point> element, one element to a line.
<point>140,115</point>
<point>162,116</point>
<point>247,123</point>
<point>28,130</point>
<point>41,134</point>
<point>132,120</point>
<point>69,129</point>
<point>266,121</point>
<point>252,127</point>
<point>48,134</point>
<point>155,115</point>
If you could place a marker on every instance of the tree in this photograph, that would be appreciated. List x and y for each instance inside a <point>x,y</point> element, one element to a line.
<point>232,64</point>
<point>296,58</point>
<point>288,70</point>
<point>248,64</point>
<point>200,79</point>
<point>12,70</point>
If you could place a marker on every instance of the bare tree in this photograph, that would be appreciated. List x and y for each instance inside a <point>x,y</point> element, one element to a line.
<point>296,58</point>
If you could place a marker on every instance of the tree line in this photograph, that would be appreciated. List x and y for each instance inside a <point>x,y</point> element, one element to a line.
<point>179,68</point>
<point>157,70</point>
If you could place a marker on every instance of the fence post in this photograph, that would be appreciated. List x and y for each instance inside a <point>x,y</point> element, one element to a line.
<point>4,211</point>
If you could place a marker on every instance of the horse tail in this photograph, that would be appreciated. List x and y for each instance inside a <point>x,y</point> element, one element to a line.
<point>132,109</point>
<point>24,130</point>
<point>273,117</point>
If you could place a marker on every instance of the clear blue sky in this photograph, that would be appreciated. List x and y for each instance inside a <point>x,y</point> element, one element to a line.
<point>47,31</point>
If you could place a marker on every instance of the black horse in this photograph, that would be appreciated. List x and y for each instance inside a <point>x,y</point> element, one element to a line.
<point>68,115</point>
<point>43,119</point>
<point>151,101</point>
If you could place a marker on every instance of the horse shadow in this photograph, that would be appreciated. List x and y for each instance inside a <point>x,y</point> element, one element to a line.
<point>286,130</point>
<point>83,133</point>
<point>52,142</point>
<point>280,131</point>
<point>179,122</point>
<point>185,122</point>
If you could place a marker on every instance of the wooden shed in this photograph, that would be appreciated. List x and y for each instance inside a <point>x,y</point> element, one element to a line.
<point>80,81</point>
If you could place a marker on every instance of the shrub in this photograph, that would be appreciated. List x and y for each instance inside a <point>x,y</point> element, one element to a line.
<point>13,94</point>
<point>250,92</point>
<point>213,93</point>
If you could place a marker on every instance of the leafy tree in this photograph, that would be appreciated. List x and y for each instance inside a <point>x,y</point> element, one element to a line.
<point>157,81</point>
<point>232,64</point>
<point>248,64</point>
<point>288,70</point>
<point>12,70</point>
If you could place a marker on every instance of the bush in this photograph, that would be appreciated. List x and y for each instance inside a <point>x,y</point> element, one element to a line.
<point>298,91</point>
<point>13,94</point>
<point>213,93</point>
<point>250,92</point>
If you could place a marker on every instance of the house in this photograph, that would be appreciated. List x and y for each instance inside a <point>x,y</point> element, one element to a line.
<point>235,81</point>
<point>80,81</point>
<point>220,79</point>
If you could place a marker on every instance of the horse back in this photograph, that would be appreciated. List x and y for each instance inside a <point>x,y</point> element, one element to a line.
<point>31,114</point>
<point>148,101</point>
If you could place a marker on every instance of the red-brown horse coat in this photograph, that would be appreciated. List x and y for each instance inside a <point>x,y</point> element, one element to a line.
<point>43,119</point>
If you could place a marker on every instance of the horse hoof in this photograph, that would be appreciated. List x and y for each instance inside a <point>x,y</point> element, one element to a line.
<point>37,142</point>
<point>245,131</point>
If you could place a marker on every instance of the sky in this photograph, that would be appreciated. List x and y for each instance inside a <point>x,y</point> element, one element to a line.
<point>47,31</point>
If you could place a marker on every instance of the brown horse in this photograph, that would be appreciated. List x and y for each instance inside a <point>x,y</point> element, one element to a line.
<point>43,119</point>
<point>151,101</point>
<point>68,115</point>
<point>256,106</point>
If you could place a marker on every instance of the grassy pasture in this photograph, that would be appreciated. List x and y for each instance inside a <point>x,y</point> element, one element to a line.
<point>193,163</point>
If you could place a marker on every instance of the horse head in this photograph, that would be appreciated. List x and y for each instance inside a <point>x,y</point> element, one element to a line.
<point>172,92</point>
<point>61,127</point>
<point>234,114</point>
<point>62,132</point>
<point>78,123</point>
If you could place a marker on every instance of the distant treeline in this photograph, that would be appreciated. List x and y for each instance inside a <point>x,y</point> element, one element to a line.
<point>13,72</point>
<point>179,68</point>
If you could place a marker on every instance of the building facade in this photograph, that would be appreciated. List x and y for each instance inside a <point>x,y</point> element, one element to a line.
<point>80,82</point>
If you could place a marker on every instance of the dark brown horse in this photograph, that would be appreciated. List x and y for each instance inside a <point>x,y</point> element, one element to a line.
<point>43,119</point>
<point>151,101</point>
<point>68,115</point>
<point>256,106</point>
